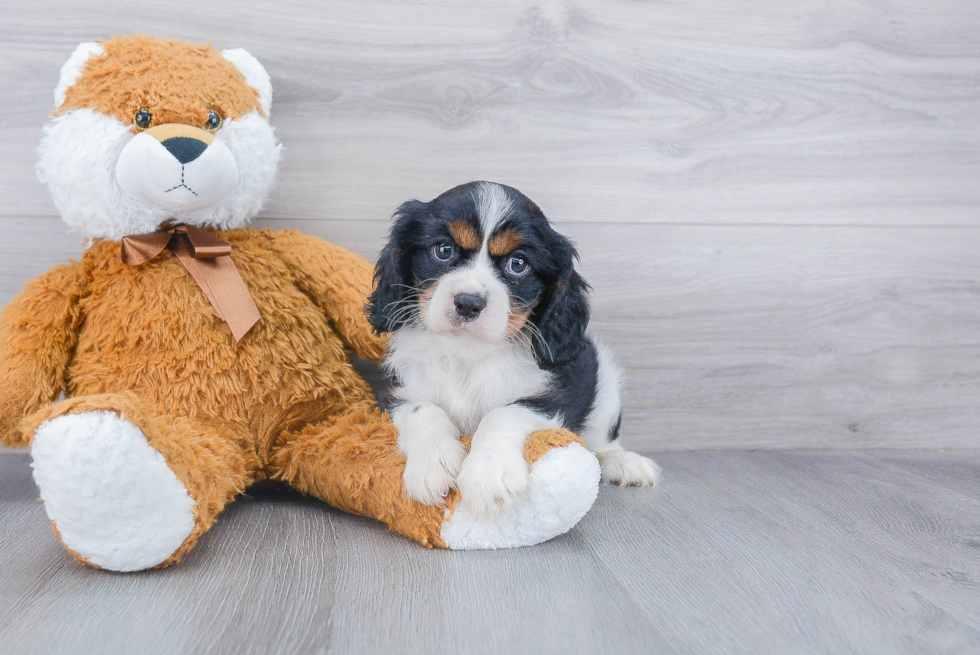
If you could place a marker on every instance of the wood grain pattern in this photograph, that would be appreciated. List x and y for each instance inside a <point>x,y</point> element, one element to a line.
<point>747,337</point>
<point>776,203</point>
<point>792,552</point>
<point>841,112</point>
<point>777,207</point>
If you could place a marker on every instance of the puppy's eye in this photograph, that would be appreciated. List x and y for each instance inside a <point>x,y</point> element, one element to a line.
<point>443,251</point>
<point>214,121</point>
<point>143,118</point>
<point>517,266</point>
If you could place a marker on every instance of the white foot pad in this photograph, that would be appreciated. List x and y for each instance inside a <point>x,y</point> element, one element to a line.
<point>563,486</point>
<point>112,497</point>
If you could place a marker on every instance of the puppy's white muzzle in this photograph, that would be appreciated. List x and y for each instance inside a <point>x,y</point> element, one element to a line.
<point>477,282</point>
<point>177,168</point>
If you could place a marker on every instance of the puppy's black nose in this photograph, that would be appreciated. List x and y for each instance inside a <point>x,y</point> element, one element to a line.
<point>185,149</point>
<point>468,306</point>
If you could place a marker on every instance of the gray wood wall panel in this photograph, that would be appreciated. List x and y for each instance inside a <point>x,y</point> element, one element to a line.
<point>777,203</point>
<point>840,112</point>
<point>745,336</point>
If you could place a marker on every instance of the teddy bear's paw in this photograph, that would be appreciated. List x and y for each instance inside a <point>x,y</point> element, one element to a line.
<point>431,474</point>
<point>110,495</point>
<point>562,487</point>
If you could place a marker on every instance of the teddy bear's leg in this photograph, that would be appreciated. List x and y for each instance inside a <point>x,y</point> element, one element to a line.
<point>127,488</point>
<point>352,462</point>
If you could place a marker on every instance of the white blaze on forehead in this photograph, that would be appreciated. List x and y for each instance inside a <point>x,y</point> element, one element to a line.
<point>478,277</point>
<point>493,205</point>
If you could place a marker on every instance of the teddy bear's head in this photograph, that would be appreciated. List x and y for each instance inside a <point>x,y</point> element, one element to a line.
<point>148,130</point>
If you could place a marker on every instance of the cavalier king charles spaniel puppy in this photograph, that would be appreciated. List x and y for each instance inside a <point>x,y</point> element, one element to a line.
<point>488,317</point>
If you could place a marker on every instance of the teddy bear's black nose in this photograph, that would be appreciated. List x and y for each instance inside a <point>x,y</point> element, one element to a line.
<point>184,149</point>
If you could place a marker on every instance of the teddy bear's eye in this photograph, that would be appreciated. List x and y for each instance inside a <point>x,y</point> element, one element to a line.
<point>214,121</point>
<point>143,118</point>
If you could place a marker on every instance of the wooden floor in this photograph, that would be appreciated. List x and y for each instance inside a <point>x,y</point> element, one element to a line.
<point>738,552</point>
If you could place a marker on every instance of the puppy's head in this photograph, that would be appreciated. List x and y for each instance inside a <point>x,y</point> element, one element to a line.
<point>147,130</point>
<point>482,260</point>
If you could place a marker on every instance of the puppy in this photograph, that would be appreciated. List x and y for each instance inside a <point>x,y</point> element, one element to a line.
<point>489,320</point>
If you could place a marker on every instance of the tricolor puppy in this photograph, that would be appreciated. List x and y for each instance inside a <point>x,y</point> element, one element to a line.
<point>489,320</point>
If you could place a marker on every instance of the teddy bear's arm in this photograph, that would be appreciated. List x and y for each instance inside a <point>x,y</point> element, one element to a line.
<point>339,281</point>
<point>38,331</point>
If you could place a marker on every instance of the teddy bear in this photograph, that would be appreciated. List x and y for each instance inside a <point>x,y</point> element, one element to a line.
<point>186,355</point>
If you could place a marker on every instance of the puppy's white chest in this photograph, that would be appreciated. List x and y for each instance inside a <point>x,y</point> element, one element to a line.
<point>463,376</point>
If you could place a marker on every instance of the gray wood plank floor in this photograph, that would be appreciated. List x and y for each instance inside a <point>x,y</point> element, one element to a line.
<point>738,552</point>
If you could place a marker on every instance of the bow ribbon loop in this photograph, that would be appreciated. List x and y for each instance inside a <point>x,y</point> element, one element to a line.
<point>208,259</point>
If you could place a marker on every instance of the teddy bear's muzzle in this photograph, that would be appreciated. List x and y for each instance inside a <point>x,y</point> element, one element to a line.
<point>178,168</point>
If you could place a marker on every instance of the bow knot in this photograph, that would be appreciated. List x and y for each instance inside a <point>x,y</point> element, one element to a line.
<point>208,259</point>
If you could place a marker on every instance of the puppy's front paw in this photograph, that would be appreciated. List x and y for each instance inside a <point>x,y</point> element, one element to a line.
<point>488,482</point>
<point>430,474</point>
<point>629,469</point>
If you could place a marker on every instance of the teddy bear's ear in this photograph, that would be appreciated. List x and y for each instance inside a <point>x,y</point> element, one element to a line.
<point>255,74</point>
<point>72,69</point>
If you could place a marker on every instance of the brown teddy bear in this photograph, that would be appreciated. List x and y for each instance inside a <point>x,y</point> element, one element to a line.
<point>196,355</point>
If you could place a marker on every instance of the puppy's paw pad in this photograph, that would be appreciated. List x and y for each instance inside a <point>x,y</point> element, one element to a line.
<point>629,469</point>
<point>488,483</point>
<point>429,477</point>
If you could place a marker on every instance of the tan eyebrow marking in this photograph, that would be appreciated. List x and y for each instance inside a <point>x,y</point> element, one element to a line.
<point>464,235</point>
<point>504,242</point>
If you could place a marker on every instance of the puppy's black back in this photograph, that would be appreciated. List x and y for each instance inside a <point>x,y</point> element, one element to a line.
<point>572,391</point>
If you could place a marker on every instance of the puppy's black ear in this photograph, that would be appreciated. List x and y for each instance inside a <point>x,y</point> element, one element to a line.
<point>386,299</point>
<point>564,315</point>
<point>386,310</point>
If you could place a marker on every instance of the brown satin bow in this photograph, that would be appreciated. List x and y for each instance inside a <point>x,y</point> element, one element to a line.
<point>207,259</point>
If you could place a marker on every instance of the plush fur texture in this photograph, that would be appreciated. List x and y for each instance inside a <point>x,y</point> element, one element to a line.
<point>165,417</point>
<point>114,499</point>
<point>73,68</point>
<point>144,344</point>
<point>93,129</point>
<point>284,403</point>
<point>178,82</point>
<point>489,318</point>
<point>555,479</point>
<point>255,75</point>
<point>150,173</point>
